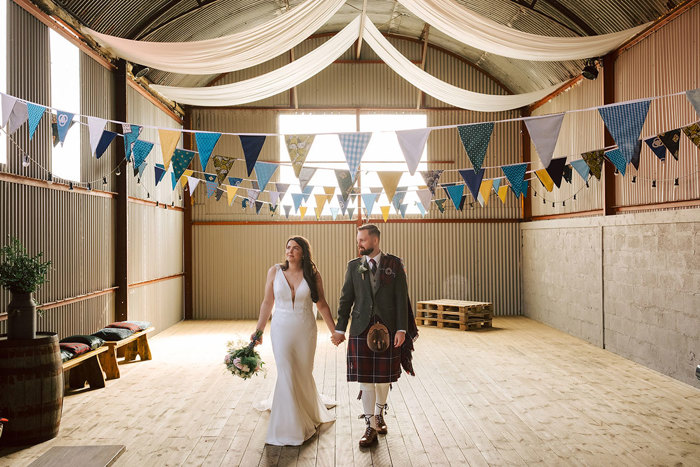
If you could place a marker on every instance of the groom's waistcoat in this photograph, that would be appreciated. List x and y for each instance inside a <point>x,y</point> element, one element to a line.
<point>389,300</point>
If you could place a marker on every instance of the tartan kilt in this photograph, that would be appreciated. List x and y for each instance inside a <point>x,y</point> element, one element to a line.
<point>366,366</point>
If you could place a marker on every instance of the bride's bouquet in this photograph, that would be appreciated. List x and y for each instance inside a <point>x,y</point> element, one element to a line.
<point>242,359</point>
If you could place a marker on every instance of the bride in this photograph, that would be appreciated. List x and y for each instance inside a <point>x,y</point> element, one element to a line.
<point>293,287</point>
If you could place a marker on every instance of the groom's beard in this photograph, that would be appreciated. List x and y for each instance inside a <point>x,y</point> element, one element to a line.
<point>366,252</point>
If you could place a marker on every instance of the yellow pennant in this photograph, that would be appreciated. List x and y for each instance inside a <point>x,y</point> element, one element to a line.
<point>502,192</point>
<point>485,190</point>
<point>385,212</point>
<point>545,179</point>
<point>298,147</point>
<point>390,180</point>
<point>231,193</point>
<point>318,210</point>
<point>320,201</point>
<point>329,190</point>
<point>302,211</point>
<point>183,178</point>
<point>168,143</point>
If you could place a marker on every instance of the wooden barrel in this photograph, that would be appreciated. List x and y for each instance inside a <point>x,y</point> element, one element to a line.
<point>31,389</point>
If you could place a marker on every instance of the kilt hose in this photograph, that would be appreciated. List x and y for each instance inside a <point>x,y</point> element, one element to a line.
<point>366,366</point>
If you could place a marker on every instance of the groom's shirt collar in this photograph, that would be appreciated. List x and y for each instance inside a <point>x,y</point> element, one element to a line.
<point>376,258</point>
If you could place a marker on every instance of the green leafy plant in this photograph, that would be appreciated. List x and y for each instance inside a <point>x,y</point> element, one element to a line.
<point>19,272</point>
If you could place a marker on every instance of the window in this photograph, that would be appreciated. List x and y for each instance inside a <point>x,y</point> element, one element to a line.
<point>383,152</point>
<point>3,72</point>
<point>65,95</point>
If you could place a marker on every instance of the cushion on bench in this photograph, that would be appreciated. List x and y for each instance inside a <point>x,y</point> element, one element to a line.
<point>125,325</point>
<point>92,341</point>
<point>76,348</point>
<point>66,355</point>
<point>113,334</point>
<point>141,324</point>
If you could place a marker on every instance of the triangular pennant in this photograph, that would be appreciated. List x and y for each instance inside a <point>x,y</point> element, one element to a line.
<point>354,146</point>
<point>455,192</point>
<point>105,140</point>
<point>556,169</point>
<point>307,191</point>
<point>64,121</point>
<point>140,170</point>
<point>485,191</point>
<point>141,150</point>
<point>398,197</point>
<point>496,184</point>
<point>385,212</point>
<point>390,180</point>
<point>205,145</point>
<point>287,208</point>
<point>305,175</point>
<point>34,112</point>
<point>422,210</point>
<point>252,145</point>
<point>582,168</point>
<point>219,193</point>
<point>210,178</point>
<point>440,203</point>
<point>625,122</point>
<point>18,116</point>
<point>282,188</point>
<point>272,209</point>
<point>8,103</point>
<point>131,134</point>
<point>544,132</point>
<point>615,156</point>
<point>302,211</point>
<point>475,139</point>
<point>159,172</point>
<point>567,173</point>
<point>377,190</point>
<point>473,180</point>
<point>234,181</point>
<point>321,200</point>
<point>181,159</point>
<point>502,192</point>
<point>173,179</point>
<point>657,147</point>
<point>693,97</point>
<point>168,143</point>
<point>693,133</point>
<point>95,128</point>
<point>425,196</point>
<point>298,147</point>
<point>351,211</point>
<point>341,202</point>
<point>671,140</point>
<point>524,190</point>
<point>368,200</point>
<point>222,166</point>
<point>462,202</point>
<point>253,195</point>
<point>211,188</point>
<point>412,143</point>
<point>594,160</point>
<point>402,210</point>
<point>231,193</point>
<point>334,212</point>
<point>264,171</point>
<point>297,198</point>
<point>274,198</point>
<point>244,203</point>
<point>192,183</point>
<point>636,154</point>
<point>431,178</point>
<point>258,206</point>
<point>183,177</point>
<point>329,190</point>
<point>545,179</point>
<point>318,210</point>
<point>515,173</point>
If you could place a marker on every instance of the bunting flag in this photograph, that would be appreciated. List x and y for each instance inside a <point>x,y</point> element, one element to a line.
<point>287,208</point>
<point>342,203</point>
<point>545,179</point>
<point>95,128</point>
<point>222,166</point>
<point>693,97</point>
<point>274,198</point>
<point>496,184</point>
<point>272,209</point>
<point>524,190</point>
<point>475,139</point>
<point>231,193</point>
<point>282,188</point>
<point>205,145</point>
<point>425,196</point>
<point>398,197</point>
<point>385,212</point>
<point>329,190</point>
<point>462,202</point>
<point>244,203</point>
<point>334,212</point>
<point>368,200</point>
<point>351,211</point>
<point>64,121</point>
<point>657,147</point>
<point>8,103</point>
<point>219,194</point>
<point>440,203</point>
<point>502,193</point>
<point>253,195</point>
<point>141,169</point>
<point>298,147</point>
<point>192,183</point>
<point>105,140</point>
<point>637,154</point>
<point>302,211</point>
<point>390,180</point>
<point>34,112</point>
<point>252,145</point>
<point>402,210</point>
<point>544,132</point>
<point>693,133</point>
<point>173,179</point>
<point>159,170</point>
<point>258,206</point>
<point>181,159</point>
<point>515,174</point>
<point>234,181</point>
<point>141,150</point>
<point>594,160</point>
<point>671,139</point>
<point>455,192</point>
<point>183,177</point>
<point>431,178</point>
<point>615,156</point>
<point>18,116</point>
<point>567,173</point>
<point>321,200</point>
<point>473,180</point>
<point>264,172</point>
<point>485,191</point>
<point>305,175</point>
<point>307,191</point>
<point>131,134</point>
<point>210,179</point>
<point>555,170</point>
<point>582,168</point>
<point>168,143</point>
<point>422,210</point>
<point>377,190</point>
<point>354,146</point>
<point>297,198</point>
<point>412,143</point>
<point>625,121</point>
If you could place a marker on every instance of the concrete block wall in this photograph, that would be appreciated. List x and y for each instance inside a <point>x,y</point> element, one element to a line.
<point>628,283</point>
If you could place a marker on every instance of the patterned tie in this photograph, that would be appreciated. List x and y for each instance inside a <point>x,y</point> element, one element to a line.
<point>373,265</point>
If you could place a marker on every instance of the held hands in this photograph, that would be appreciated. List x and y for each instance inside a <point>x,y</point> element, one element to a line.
<point>399,338</point>
<point>337,338</point>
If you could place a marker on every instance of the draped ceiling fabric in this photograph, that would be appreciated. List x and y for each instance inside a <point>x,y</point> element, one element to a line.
<point>230,53</point>
<point>271,83</point>
<point>472,29</point>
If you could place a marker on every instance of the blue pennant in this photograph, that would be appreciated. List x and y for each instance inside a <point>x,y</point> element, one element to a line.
<point>368,200</point>
<point>307,191</point>
<point>582,168</point>
<point>475,139</point>
<point>160,172</point>
<point>131,134</point>
<point>105,140</point>
<point>141,151</point>
<point>297,198</point>
<point>252,145</point>
<point>234,181</point>
<point>174,180</point>
<point>625,122</point>
<point>399,197</point>
<point>455,192</point>
<point>402,210</point>
<point>205,145</point>
<point>473,180</point>
<point>264,171</point>
<point>496,184</point>
<point>515,174</point>
<point>615,156</point>
<point>63,123</point>
<point>180,160</point>
<point>35,112</point>
<point>258,206</point>
<point>657,147</point>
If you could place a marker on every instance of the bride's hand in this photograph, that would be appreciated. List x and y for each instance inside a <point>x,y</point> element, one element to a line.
<point>258,341</point>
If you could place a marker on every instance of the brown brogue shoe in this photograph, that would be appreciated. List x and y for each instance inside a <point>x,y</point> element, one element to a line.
<point>381,425</point>
<point>369,438</point>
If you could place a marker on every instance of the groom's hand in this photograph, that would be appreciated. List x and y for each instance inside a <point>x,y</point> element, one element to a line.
<point>399,338</point>
<point>337,338</point>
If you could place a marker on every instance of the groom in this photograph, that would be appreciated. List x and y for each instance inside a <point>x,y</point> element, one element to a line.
<point>376,291</point>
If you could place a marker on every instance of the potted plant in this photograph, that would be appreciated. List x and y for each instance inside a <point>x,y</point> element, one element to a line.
<point>21,274</point>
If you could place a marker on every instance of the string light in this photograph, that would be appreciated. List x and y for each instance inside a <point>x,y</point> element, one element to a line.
<point>653,183</point>
<point>675,183</point>
<point>104,180</point>
<point>89,186</point>
<point>70,185</point>
<point>634,179</point>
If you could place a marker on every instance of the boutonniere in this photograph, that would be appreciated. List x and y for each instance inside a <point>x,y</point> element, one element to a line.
<point>362,269</point>
<point>388,272</point>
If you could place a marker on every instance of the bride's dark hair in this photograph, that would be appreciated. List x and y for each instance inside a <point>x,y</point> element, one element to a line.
<point>307,265</point>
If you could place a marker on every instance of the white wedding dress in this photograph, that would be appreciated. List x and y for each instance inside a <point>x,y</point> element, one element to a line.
<point>296,407</point>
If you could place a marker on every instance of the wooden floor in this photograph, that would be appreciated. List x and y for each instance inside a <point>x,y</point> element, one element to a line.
<point>519,394</point>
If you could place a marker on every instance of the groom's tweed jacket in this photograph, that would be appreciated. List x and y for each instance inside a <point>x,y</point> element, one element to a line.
<point>389,302</point>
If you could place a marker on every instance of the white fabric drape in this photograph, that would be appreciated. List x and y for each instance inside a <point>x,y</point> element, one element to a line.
<point>472,29</point>
<point>441,90</point>
<point>271,83</point>
<point>230,53</point>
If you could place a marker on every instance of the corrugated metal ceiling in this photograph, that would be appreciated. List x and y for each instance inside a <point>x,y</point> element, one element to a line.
<point>173,20</point>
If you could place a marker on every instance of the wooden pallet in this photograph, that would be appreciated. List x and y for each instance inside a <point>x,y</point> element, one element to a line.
<point>456,314</point>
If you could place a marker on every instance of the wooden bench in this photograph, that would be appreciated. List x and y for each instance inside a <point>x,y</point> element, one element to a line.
<point>86,368</point>
<point>129,348</point>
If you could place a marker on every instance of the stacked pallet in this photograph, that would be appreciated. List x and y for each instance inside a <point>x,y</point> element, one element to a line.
<point>456,314</point>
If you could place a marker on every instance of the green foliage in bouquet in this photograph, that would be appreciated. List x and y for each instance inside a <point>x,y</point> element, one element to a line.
<point>19,272</point>
<point>242,359</point>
